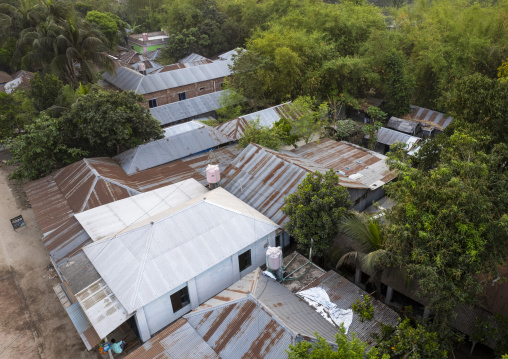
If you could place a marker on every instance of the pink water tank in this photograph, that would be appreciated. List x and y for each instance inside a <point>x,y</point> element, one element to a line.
<point>212,173</point>
<point>145,36</point>
<point>274,258</point>
<point>141,67</point>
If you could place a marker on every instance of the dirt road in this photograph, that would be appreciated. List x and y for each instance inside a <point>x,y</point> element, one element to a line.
<point>33,323</point>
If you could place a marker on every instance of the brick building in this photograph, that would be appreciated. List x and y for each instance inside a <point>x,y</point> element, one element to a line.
<point>171,86</point>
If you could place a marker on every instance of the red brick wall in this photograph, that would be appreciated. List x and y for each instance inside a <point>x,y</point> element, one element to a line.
<point>171,95</point>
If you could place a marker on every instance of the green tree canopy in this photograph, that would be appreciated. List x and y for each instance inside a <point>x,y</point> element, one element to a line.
<point>346,348</point>
<point>406,341</point>
<point>481,101</point>
<point>315,211</point>
<point>449,224</point>
<point>104,123</point>
<point>44,91</point>
<point>106,23</point>
<point>261,135</point>
<point>41,149</point>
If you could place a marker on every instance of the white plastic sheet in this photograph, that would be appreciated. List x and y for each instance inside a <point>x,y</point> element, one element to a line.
<point>318,299</point>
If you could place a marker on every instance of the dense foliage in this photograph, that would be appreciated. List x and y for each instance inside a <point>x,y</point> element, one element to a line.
<point>352,348</point>
<point>408,341</point>
<point>315,211</point>
<point>92,122</point>
<point>448,224</point>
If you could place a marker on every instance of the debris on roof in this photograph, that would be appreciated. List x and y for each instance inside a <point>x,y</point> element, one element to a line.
<point>343,294</point>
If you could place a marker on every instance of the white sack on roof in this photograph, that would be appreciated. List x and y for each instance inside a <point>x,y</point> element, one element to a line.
<point>318,299</point>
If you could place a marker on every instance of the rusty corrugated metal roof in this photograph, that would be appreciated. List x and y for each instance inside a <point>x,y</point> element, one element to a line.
<point>343,293</point>
<point>93,182</point>
<point>357,165</point>
<point>262,177</point>
<point>179,340</point>
<point>429,118</point>
<point>48,203</point>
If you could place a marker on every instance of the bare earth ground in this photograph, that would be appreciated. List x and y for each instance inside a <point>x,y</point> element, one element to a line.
<point>33,323</point>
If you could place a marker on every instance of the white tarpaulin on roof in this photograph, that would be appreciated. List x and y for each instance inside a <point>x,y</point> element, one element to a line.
<point>318,299</point>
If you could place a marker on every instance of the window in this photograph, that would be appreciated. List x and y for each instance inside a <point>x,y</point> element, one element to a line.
<point>132,47</point>
<point>201,89</point>
<point>152,103</point>
<point>277,240</point>
<point>180,299</point>
<point>244,260</point>
<point>182,96</point>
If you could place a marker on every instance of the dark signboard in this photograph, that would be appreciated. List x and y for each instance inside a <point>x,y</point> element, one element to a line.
<point>18,222</point>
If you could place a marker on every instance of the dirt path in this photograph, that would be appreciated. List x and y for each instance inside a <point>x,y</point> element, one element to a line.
<point>33,323</point>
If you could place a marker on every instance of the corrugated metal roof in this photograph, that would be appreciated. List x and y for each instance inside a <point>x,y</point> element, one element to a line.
<point>184,127</point>
<point>429,118</point>
<point>124,78</point>
<point>235,128</point>
<point>111,218</point>
<point>52,195</point>
<point>101,307</point>
<point>178,341</point>
<point>262,177</point>
<point>295,313</point>
<point>66,240</point>
<point>154,257</point>
<point>389,137</point>
<point>401,125</point>
<point>78,272</point>
<point>366,167</point>
<point>181,110</point>
<point>48,203</point>
<point>343,293</point>
<point>78,317</point>
<point>193,57</point>
<point>237,290</point>
<point>181,77</point>
<point>242,329</point>
<point>171,148</point>
<point>83,325</point>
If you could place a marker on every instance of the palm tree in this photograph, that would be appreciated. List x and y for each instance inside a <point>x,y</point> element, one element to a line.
<point>70,49</point>
<point>371,254</point>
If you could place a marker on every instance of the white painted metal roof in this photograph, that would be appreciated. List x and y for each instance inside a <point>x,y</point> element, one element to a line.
<point>172,147</point>
<point>165,251</point>
<point>102,308</point>
<point>109,219</point>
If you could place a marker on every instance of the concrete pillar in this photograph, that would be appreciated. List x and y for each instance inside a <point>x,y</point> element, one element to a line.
<point>389,294</point>
<point>236,267</point>
<point>426,312</point>
<point>144,331</point>
<point>358,275</point>
<point>193,293</point>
